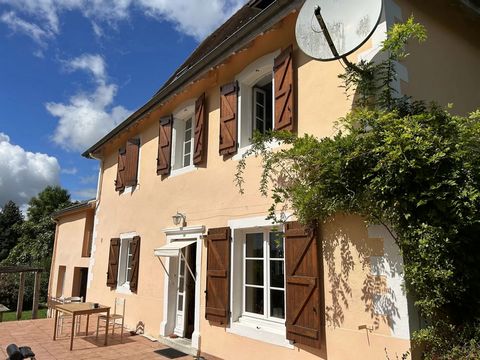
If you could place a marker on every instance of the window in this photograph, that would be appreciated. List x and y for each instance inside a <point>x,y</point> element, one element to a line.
<point>255,99</point>
<point>264,275</point>
<point>125,268</point>
<point>183,137</point>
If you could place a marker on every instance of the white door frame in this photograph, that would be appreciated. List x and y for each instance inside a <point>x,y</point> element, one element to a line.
<point>169,304</point>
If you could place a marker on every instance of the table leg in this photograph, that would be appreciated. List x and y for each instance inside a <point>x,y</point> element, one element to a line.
<point>73,332</point>
<point>106,327</point>
<point>55,325</point>
<point>86,328</point>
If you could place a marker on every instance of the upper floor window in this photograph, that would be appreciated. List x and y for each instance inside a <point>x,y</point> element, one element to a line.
<point>183,137</point>
<point>127,168</point>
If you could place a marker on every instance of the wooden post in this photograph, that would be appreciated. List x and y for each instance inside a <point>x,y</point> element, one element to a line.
<point>21,289</point>
<point>36,295</point>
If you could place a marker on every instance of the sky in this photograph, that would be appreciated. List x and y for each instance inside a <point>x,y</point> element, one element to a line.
<point>70,70</point>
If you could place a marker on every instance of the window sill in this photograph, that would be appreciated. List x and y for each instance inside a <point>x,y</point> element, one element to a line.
<point>184,170</point>
<point>261,330</point>
<point>124,289</point>
<point>243,150</point>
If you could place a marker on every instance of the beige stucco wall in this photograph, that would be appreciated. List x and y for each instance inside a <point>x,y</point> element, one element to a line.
<point>208,197</point>
<point>68,250</point>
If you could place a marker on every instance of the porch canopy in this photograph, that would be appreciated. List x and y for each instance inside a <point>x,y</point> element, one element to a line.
<point>173,249</point>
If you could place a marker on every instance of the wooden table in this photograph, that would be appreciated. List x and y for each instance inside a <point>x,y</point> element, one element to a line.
<point>76,309</point>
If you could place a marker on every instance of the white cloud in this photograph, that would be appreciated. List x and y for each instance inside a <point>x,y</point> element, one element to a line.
<point>24,174</point>
<point>87,116</point>
<point>193,18</point>
<point>69,171</point>
<point>16,24</point>
<point>84,194</point>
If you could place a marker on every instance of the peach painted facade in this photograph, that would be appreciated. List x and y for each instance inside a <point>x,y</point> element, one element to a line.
<point>365,311</point>
<point>71,256</point>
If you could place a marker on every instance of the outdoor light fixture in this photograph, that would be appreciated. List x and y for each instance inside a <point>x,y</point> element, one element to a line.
<point>179,218</point>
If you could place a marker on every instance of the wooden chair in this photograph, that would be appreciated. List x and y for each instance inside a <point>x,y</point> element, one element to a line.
<point>119,305</point>
<point>62,316</point>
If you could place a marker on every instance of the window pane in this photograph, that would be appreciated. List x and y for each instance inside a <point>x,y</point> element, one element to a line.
<point>259,126</point>
<point>254,243</point>
<point>276,245</point>
<point>129,274</point>
<point>186,160</point>
<point>182,268</point>
<point>277,304</point>
<point>180,285</point>
<point>180,302</point>
<point>254,272</point>
<point>188,134</point>
<point>254,300</point>
<point>260,97</point>
<point>277,277</point>
<point>188,145</point>
<point>260,111</point>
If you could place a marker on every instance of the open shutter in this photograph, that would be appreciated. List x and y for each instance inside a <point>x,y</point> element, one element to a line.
<point>303,277</point>
<point>284,91</point>
<point>165,146</point>
<point>135,248</point>
<point>120,181</point>
<point>112,271</point>
<point>131,162</point>
<point>200,141</point>
<point>217,301</point>
<point>228,118</point>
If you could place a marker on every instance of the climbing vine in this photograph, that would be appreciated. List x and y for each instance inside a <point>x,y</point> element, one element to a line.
<point>414,168</point>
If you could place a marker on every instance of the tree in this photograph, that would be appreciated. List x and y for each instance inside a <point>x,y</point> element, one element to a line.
<point>10,220</point>
<point>37,234</point>
<point>411,167</point>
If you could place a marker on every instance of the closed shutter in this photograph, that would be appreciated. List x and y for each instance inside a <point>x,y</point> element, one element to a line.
<point>112,271</point>
<point>131,166</point>
<point>135,248</point>
<point>217,301</point>
<point>284,91</point>
<point>165,146</point>
<point>303,277</point>
<point>228,118</point>
<point>120,181</point>
<point>200,141</point>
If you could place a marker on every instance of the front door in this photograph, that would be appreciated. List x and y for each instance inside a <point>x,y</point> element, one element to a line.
<point>182,294</point>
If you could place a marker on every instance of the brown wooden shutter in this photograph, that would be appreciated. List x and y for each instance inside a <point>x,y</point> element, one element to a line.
<point>217,301</point>
<point>112,272</point>
<point>120,181</point>
<point>131,162</point>
<point>303,277</point>
<point>284,91</point>
<point>135,248</point>
<point>165,146</point>
<point>228,118</point>
<point>200,141</point>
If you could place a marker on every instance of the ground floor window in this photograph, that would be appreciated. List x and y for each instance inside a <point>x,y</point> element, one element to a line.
<point>125,268</point>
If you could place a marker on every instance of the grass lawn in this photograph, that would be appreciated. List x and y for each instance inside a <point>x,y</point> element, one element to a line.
<point>26,315</point>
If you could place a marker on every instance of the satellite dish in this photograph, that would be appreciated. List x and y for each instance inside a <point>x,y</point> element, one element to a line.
<point>332,29</point>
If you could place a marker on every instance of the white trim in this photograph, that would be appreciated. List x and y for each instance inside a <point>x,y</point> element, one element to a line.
<point>250,222</point>
<point>183,170</point>
<point>271,145</point>
<point>257,330</point>
<point>166,326</point>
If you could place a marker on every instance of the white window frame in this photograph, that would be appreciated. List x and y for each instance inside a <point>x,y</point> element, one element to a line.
<point>247,79</point>
<point>181,115</point>
<point>265,231</point>
<point>271,330</point>
<point>125,240</point>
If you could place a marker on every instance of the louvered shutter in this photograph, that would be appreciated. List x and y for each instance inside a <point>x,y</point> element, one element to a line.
<point>200,141</point>
<point>217,301</point>
<point>120,181</point>
<point>228,118</point>
<point>165,146</point>
<point>284,91</point>
<point>112,271</point>
<point>135,249</point>
<point>131,162</point>
<point>303,285</point>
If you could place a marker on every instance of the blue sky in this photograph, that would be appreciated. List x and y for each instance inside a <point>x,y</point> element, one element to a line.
<point>70,70</point>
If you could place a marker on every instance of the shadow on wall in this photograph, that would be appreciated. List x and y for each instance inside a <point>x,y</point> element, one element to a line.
<point>351,265</point>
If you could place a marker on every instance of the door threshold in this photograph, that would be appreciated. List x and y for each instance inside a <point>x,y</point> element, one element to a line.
<point>181,344</point>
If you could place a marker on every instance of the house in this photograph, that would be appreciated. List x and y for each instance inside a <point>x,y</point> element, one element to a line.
<point>196,259</point>
<point>72,249</point>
